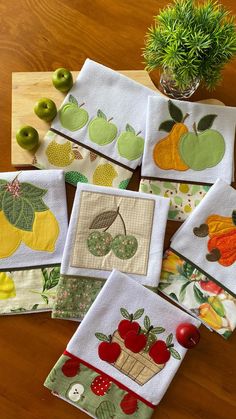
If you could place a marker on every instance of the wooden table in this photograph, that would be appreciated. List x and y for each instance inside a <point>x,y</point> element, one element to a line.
<point>41,36</point>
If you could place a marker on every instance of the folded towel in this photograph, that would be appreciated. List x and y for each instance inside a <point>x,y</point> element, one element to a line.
<point>98,134</point>
<point>33,228</point>
<point>110,228</point>
<point>111,369</point>
<point>187,147</point>
<point>199,269</point>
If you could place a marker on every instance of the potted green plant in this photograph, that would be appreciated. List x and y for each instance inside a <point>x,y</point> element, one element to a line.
<point>190,42</point>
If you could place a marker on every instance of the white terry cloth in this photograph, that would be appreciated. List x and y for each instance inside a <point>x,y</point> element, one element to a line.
<point>33,218</point>
<point>219,121</point>
<point>119,292</point>
<point>144,222</point>
<point>105,91</point>
<point>217,212</point>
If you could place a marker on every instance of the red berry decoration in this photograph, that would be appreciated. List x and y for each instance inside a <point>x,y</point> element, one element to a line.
<point>109,351</point>
<point>100,385</point>
<point>135,342</point>
<point>71,367</point>
<point>187,335</point>
<point>129,404</point>
<point>159,352</point>
<point>126,326</point>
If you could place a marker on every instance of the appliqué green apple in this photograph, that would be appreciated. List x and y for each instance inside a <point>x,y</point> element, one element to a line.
<point>72,116</point>
<point>101,130</point>
<point>129,144</point>
<point>27,137</point>
<point>62,79</point>
<point>203,148</point>
<point>45,109</point>
<point>99,243</point>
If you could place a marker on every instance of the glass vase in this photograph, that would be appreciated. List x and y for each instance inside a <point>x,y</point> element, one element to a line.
<point>169,88</point>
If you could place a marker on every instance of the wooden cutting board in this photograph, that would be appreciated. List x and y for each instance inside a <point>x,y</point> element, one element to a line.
<point>27,88</point>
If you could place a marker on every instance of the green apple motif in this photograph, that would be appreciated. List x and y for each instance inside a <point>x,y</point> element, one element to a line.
<point>100,243</point>
<point>203,148</point>
<point>72,116</point>
<point>101,130</point>
<point>129,144</point>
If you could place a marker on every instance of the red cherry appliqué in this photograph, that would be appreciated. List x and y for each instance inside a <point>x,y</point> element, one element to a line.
<point>71,367</point>
<point>129,404</point>
<point>100,385</point>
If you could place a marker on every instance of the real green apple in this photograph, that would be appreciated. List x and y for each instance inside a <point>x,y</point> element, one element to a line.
<point>72,116</point>
<point>45,109</point>
<point>62,79</point>
<point>130,145</point>
<point>27,137</point>
<point>202,150</point>
<point>101,130</point>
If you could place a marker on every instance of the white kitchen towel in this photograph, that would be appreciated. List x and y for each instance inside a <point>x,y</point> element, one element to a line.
<point>117,340</point>
<point>33,219</point>
<point>111,228</point>
<point>106,112</point>
<point>187,147</point>
<point>208,237</point>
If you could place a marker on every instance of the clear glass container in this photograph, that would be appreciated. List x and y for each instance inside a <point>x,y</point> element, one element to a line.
<point>169,88</point>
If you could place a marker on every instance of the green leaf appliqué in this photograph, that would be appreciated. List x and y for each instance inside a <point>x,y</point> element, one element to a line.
<point>125,313</point>
<point>175,112</point>
<point>166,125</point>
<point>174,353</point>
<point>206,122</point>
<point>73,100</point>
<point>138,314</point>
<point>101,114</point>
<point>129,128</point>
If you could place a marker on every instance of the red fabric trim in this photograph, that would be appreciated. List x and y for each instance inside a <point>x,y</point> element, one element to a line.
<point>149,404</point>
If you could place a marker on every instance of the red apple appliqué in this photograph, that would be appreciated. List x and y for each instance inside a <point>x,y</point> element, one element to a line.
<point>109,351</point>
<point>126,326</point>
<point>100,385</point>
<point>159,352</point>
<point>71,368</point>
<point>134,341</point>
<point>129,404</point>
<point>187,335</point>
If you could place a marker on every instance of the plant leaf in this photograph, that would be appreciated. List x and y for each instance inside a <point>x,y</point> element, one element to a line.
<point>129,128</point>
<point>29,191</point>
<point>38,205</point>
<point>234,217</point>
<point>173,295</point>
<point>169,339</point>
<point>199,295</point>
<point>45,298</point>
<point>206,122</point>
<point>147,322</point>
<point>52,280</point>
<point>158,330</point>
<point>73,100</point>
<point>125,313</point>
<point>183,291</point>
<point>18,211</point>
<point>103,220</point>
<point>100,114</point>
<point>102,337</point>
<point>174,353</point>
<point>175,113</point>
<point>138,314</point>
<point>35,306</point>
<point>166,125</point>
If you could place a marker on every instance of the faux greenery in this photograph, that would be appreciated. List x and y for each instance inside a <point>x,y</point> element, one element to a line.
<point>192,40</point>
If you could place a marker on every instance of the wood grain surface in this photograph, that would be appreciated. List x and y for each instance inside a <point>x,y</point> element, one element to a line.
<point>41,36</point>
